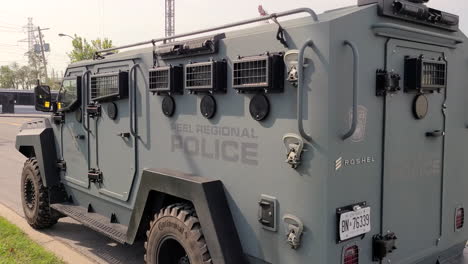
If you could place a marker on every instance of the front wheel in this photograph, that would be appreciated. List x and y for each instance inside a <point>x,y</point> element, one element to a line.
<point>175,237</point>
<point>35,197</point>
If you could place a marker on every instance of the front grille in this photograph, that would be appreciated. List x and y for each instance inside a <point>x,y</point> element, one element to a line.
<point>159,79</point>
<point>433,74</point>
<point>251,72</point>
<point>199,76</point>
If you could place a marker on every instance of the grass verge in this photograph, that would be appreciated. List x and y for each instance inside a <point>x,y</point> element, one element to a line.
<point>16,247</point>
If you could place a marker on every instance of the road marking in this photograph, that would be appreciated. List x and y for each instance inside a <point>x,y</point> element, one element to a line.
<point>10,123</point>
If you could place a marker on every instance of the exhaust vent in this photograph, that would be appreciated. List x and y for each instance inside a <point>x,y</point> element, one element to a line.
<point>207,77</point>
<point>258,73</point>
<point>425,75</point>
<point>109,86</point>
<point>166,80</point>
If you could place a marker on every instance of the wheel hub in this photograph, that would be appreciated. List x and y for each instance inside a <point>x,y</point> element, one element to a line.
<point>184,260</point>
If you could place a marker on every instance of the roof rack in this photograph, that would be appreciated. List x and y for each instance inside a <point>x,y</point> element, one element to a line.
<point>273,16</point>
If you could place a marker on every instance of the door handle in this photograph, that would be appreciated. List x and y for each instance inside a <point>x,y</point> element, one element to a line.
<point>435,133</point>
<point>124,135</point>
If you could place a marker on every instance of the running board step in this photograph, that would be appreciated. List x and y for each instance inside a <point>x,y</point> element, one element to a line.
<point>94,221</point>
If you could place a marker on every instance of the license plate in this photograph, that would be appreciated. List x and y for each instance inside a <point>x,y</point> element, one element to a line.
<point>354,223</point>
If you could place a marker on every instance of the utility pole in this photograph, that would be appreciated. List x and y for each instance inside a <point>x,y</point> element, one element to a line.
<point>43,50</point>
<point>170,18</point>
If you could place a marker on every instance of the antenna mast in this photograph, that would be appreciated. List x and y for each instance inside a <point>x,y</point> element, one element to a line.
<point>170,18</point>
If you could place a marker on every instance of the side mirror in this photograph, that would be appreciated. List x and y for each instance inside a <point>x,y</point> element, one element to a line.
<point>43,98</point>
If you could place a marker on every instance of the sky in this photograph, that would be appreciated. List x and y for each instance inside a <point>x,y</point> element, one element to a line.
<point>125,21</point>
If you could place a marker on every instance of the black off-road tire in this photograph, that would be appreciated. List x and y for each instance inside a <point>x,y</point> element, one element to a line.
<point>35,197</point>
<point>176,232</point>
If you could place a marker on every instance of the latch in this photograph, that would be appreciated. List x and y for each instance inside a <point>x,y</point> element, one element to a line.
<point>294,230</point>
<point>387,82</point>
<point>94,110</point>
<point>95,175</point>
<point>62,165</point>
<point>58,118</point>
<point>382,245</point>
<point>294,146</point>
<point>291,60</point>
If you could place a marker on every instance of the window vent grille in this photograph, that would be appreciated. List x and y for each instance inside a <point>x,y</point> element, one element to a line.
<point>206,77</point>
<point>258,73</point>
<point>109,86</point>
<point>422,74</point>
<point>166,80</point>
<point>251,72</point>
<point>433,74</point>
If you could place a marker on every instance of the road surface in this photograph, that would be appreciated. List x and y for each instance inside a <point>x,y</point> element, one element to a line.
<point>23,109</point>
<point>92,244</point>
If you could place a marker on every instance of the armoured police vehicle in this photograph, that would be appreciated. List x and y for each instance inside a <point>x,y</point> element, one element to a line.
<point>331,139</point>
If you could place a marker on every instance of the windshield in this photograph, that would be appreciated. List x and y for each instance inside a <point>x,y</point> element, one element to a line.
<point>68,94</point>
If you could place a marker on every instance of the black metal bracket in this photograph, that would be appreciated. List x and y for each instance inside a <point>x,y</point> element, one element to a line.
<point>93,110</point>
<point>95,175</point>
<point>280,34</point>
<point>387,82</point>
<point>382,245</point>
<point>58,118</point>
<point>62,165</point>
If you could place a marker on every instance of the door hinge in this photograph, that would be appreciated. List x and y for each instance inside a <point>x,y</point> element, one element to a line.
<point>62,165</point>
<point>382,245</point>
<point>387,82</point>
<point>95,175</point>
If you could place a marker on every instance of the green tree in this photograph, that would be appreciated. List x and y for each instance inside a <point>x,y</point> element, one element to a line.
<point>83,50</point>
<point>7,79</point>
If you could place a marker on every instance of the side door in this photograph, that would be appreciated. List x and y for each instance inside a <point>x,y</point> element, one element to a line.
<point>414,149</point>
<point>112,159</point>
<point>73,135</point>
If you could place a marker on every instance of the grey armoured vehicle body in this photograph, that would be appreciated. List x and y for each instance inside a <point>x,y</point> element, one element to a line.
<point>386,146</point>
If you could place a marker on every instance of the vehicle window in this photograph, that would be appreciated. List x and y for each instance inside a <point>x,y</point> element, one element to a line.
<point>68,94</point>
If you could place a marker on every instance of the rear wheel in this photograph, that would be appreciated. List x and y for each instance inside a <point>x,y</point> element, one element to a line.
<point>175,237</point>
<point>35,197</point>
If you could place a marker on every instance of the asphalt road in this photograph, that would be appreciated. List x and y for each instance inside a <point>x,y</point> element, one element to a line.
<point>92,244</point>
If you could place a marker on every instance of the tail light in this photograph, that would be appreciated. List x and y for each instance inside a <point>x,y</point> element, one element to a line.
<point>351,255</point>
<point>459,218</point>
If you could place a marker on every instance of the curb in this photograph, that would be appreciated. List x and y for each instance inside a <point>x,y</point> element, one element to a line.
<point>61,250</point>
